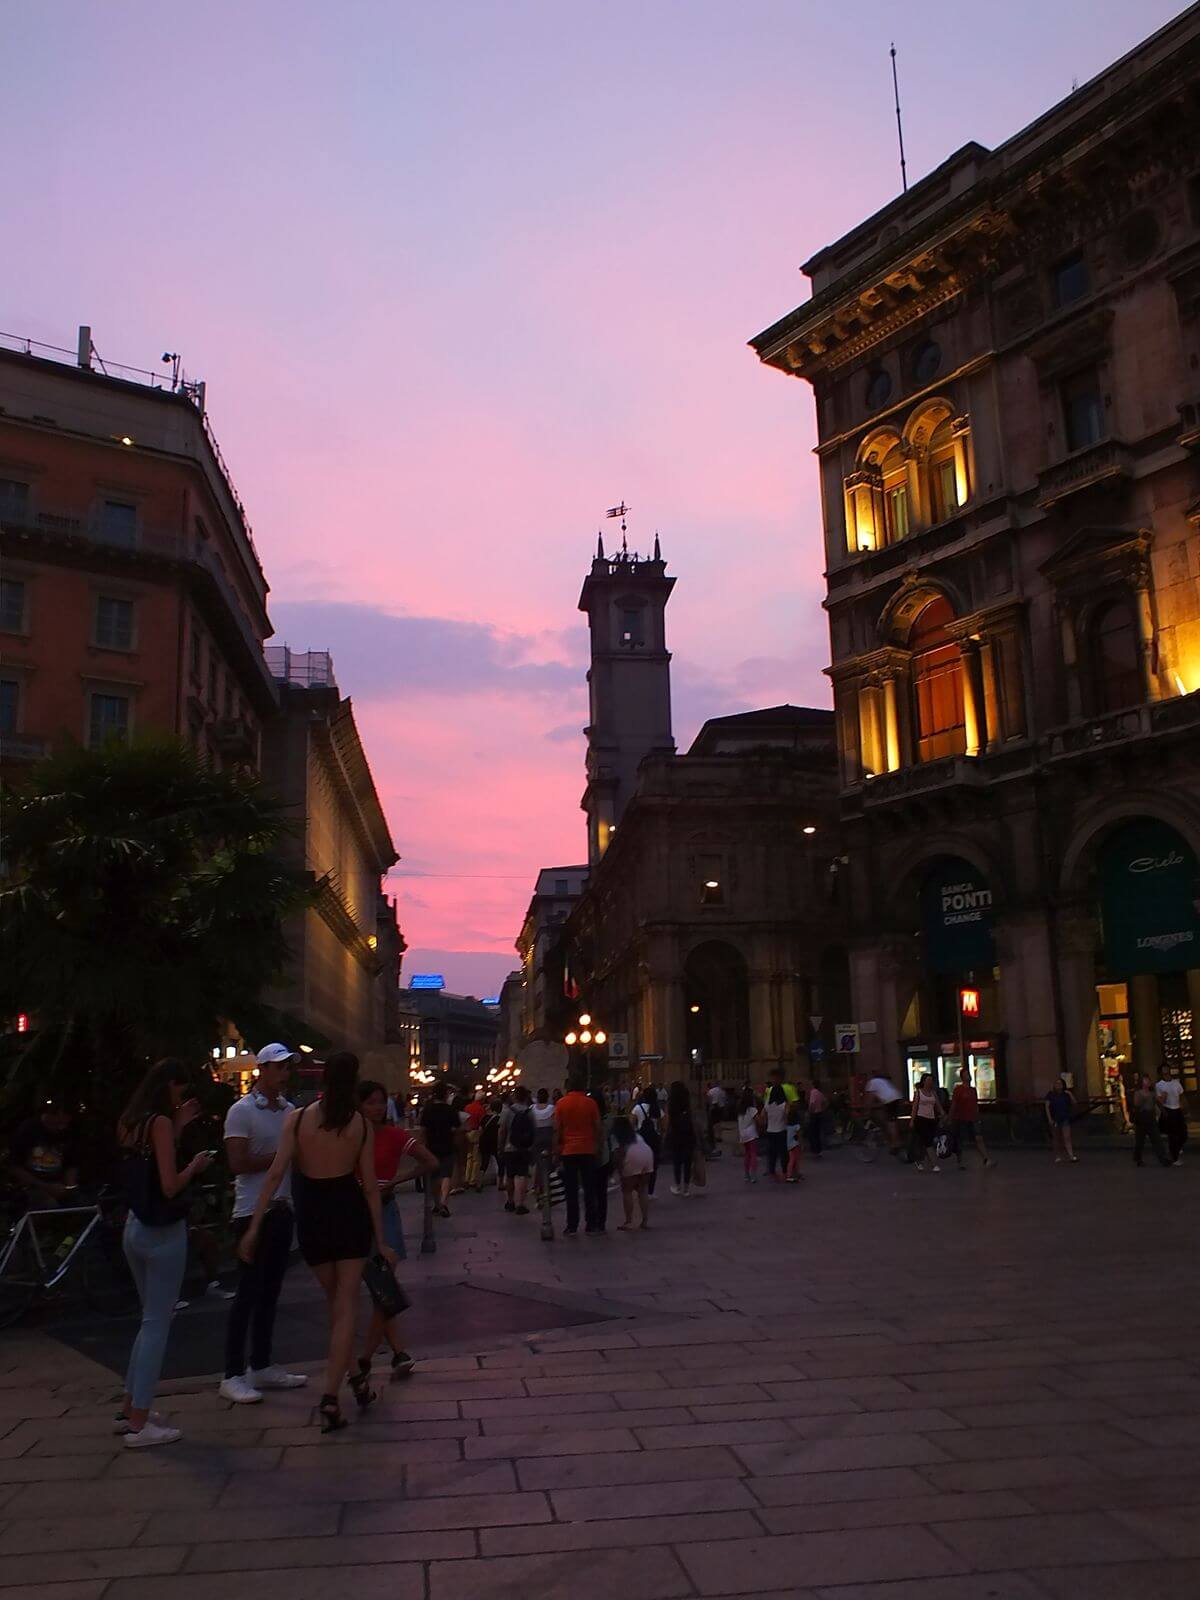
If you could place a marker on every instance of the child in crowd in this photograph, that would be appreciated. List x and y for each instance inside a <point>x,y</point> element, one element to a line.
<point>749,1121</point>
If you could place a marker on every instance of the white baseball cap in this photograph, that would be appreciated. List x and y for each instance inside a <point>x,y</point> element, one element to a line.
<point>271,1053</point>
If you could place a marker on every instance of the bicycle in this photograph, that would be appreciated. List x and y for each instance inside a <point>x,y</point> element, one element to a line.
<point>865,1137</point>
<point>31,1267</point>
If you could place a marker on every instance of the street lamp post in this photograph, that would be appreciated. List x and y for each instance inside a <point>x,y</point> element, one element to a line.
<point>587,1036</point>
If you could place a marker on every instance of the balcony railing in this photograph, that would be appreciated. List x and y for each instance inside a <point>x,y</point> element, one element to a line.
<point>1085,469</point>
<point>1182,712</point>
<point>950,772</point>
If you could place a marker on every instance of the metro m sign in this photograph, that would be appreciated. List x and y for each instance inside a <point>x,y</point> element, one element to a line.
<point>968,1002</point>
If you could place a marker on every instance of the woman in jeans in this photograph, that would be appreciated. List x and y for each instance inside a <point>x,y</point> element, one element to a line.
<point>680,1129</point>
<point>155,1239</point>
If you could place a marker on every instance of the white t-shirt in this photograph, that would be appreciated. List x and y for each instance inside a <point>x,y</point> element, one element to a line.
<point>884,1090</point>
<point>639,1114</point>
<point>543,1116</point>
<point>747,1125</point>
<point>1170,1090</point>
<point>254,1119</point>
<point>777,1115</point>
<point>716,1095</point>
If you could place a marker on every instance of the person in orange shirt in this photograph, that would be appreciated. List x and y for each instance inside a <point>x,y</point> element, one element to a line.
<point>577,1130</point>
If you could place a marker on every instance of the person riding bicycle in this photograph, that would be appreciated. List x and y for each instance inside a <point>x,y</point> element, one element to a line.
<point>885,1100</point>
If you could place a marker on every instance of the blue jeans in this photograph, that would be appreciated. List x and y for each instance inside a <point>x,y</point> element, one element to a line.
<point>393,1228</point>
<point>156,1257</point>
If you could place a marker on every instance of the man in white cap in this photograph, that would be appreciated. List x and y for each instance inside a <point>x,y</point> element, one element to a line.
<point>253,1128</point>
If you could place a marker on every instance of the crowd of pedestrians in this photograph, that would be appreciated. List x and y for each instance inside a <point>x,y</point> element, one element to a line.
<point>324,1178</point>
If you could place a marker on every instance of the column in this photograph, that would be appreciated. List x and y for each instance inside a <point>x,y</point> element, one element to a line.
<point>1070,651</point>
<point>973,710</point>
<point>1075,932</point>
<point>1146,644</point>
<point>872,730</point>
<point>764,1049</point>
<point>1027,1003</point>
<point>960,432</point>
<point>1145,1020</point>
<point>991,698</point>
<point>891,724</point>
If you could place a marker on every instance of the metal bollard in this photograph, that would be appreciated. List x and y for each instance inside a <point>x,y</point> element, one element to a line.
<point>543,1161</point>
<point>428,1242</point>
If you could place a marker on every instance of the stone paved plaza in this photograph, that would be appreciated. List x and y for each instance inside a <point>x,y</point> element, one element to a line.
<point>881,1384</point>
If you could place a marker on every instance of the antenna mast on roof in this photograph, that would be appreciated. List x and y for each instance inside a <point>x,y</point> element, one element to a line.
<point>899,124</point>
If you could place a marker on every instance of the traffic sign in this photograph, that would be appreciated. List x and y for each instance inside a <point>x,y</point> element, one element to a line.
<point>816,1051</point>
<point>846,1034</point>
<point>815,1023</point>
<point>618,1047</point>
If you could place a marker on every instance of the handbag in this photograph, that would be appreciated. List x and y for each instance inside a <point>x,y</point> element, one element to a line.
<point>384,1288</point>
<point>143,1187</point>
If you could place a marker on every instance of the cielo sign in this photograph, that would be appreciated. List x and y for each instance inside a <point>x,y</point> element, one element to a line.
<point>1149,898</point>
<point>956,917</point>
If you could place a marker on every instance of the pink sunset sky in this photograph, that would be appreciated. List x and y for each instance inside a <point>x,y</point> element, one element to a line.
<point>459,277</point>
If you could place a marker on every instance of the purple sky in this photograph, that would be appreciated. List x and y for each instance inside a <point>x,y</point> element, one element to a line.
<point>458,278</point>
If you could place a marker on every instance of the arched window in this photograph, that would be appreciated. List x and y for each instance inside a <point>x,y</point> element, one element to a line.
<point>937,684</point>
<point>893,471</point>
<point>1116,662</point>
<point>944,496</point>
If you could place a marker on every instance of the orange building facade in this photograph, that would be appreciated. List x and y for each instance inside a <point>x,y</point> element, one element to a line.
<point>132,598</point>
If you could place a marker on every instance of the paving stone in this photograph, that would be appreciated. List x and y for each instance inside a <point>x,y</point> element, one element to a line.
<point>692,1435</point>
<point>347,1452</point>
<point>1046,1541</point>
<point>76,1566</point>
<point>573,1422</point>
<point>597,1441</point>
<point>1062,1438</point>
<point>891,1513</point>
<point>651,1500</point>
<point>35,1534</point>
<point>46,1500</point>
<point>838,1455</point>
<point>867,1424</point>
<point>689,1395</point>
<point>460,1477</point>
<point>642,1574</point>
<point>642,1466</point>
<point>617,1533</point>
<point>412,1516</point>
<point>768,1565</point>
<point>251,1555</point>
<point>1014,1473</point>
<point>393,1581</point>
<point>982,1586</point>
<point>246,1523</point>
<point>814,1488</point>
<point>1148,1580</point>
<point>1173,1527</point>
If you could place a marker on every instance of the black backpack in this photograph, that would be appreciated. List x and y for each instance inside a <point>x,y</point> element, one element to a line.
<point>520,1130</point>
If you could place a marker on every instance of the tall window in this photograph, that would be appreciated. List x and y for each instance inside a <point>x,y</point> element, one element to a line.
<point>114,623</point>
<point>14,501</point>
<point>12,605</point>
<point>108,718</point>
<point>10,706</point>
<point>631,625</point>
<point>944,498</point>
<point>894,472</point>
<point>1083,409</point>
<point>937,684</point>
<point>1116,662</point>
<point>1070,279</point>
<point>118,522</point>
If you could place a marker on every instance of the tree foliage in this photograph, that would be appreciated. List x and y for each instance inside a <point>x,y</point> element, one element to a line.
<point>143,900</point>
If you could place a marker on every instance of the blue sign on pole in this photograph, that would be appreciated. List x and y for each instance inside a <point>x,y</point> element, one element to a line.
<point>427,980</point>
<point>816,1051</point>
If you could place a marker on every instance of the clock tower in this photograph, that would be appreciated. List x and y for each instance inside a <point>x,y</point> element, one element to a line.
<point>629,680</point>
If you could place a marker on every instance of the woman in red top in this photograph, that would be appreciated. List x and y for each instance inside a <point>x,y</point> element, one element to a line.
<point>392,1146</point>
<point>964,1119</point>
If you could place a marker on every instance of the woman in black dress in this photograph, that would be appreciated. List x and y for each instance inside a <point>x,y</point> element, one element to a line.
<point>330,1148</point>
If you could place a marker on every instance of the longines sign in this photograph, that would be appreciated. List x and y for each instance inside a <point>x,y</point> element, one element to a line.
<point>1149,901</point>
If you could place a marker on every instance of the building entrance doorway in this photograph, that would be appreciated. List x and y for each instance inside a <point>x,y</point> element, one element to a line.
<point>716,990</point>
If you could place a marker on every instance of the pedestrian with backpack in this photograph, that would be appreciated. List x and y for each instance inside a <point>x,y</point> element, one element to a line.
<point>520,1133</point>
<point>647,1122</point>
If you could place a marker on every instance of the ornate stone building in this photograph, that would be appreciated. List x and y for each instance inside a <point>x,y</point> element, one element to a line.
<point>1006,368</point>
<point>708,932</point>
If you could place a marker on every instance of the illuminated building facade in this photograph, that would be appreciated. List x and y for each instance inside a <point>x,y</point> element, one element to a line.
<point>1005,363</point>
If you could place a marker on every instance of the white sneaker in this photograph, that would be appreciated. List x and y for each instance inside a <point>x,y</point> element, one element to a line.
<point>122,1424</point>
<point>686,1192</point>
<point>675,1189</point>
<point>150,1434</point>
<point>240,1390</point>
<point>935,1168</point>
<point>219,1292</point>
<point>274,1377</point>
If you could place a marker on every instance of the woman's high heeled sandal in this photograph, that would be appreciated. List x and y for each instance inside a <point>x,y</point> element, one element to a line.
<point>360,1386</point>
<point>330,1413</point>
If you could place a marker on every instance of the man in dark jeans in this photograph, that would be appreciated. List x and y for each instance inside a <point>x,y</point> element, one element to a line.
<point>577,1130</point>
<point>253,1128</point>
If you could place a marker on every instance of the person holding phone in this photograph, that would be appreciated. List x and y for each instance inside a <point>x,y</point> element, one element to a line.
<point>155,1238</point>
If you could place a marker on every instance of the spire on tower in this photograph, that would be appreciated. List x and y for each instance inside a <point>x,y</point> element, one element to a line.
<point>599,546</point>
<point>657,547</point>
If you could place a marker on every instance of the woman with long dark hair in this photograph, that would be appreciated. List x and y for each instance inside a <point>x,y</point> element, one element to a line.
<point>680,1129</point>
<point>155,1238</point>
<point>331,1151</point>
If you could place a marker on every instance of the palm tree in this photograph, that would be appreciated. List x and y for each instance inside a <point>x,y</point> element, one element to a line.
<point>142,901</point>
